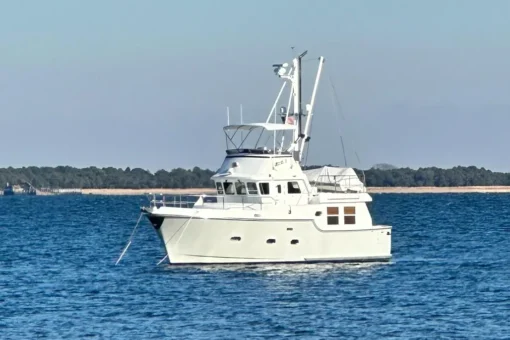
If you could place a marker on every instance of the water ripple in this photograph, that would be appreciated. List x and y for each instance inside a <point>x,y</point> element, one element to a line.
<point>448,278</point>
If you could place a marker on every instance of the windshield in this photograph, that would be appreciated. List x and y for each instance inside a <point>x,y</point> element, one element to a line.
<point>258,140</point>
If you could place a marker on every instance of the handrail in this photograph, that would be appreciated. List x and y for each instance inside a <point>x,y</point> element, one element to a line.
<point>188,201</point>
<point>248,201</point>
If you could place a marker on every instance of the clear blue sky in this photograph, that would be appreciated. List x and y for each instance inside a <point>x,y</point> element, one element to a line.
<point>146,83</point>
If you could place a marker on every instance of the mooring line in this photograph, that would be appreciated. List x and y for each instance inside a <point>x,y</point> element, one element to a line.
<point>130,239</point>
<point>163,259</point>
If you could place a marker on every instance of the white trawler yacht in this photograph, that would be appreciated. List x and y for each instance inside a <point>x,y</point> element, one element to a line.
<point>266,208</point>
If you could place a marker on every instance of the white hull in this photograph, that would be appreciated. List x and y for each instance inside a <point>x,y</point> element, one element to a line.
<point>266,209</point>
<point>208,241</point>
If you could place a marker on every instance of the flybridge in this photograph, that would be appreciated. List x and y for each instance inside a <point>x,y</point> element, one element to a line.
<point>259,131</point>
<point>287,137</point>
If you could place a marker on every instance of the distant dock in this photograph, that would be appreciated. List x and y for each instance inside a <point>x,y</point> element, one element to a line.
<point>29,189</point>
<point>66,191</point>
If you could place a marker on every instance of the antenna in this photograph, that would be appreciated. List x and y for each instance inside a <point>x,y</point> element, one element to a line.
<point>228,123</point>
<point>241,113</point>
<point>343,151</point>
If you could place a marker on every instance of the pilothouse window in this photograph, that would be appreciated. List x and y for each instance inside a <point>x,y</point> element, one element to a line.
<point>252,188</point>
<point>219,188</point>
<point>293,188</point>
<point>229,188</point>
<point>240,188</point>
<point>264,188</point>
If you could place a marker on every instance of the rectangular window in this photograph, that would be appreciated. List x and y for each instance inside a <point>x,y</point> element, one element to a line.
<point>293,188</point>
<point>219,187</point>
<point>349,210</point>
<point>229,188</point>
<point>333,220</point>
<point>264,188</point>
<point>279,188</point>
<point>349,215</point>
<point>349,219</point>
<point>332,210</point>
<point>252,188</point>
<point>333,216</point>
<point>240,188</point>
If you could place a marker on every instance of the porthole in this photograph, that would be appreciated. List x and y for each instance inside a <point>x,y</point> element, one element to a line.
<point>271,241</point>
<point>294,242</point>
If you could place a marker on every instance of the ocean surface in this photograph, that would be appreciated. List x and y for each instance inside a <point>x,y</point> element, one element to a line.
<point>449,277</point>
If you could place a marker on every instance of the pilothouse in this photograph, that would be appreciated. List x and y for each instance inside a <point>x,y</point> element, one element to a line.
<point>266,208</point>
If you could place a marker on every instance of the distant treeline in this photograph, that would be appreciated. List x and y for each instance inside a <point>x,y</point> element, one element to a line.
<point>454,177</point>
<point>432,176</point>
<point>109,178</point>
<point>92,177</point>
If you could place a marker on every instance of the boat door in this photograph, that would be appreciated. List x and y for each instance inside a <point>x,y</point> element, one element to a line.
<point>279,192</point>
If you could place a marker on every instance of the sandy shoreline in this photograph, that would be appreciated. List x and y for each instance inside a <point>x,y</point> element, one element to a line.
<point>438,190</point>
<point>374,190</point>
<point>195,191</point>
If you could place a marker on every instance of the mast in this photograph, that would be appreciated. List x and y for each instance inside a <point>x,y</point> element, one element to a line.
<point>300,136</point>
<point>299,107</point>
<point>309,108</point>
<point>298,111</point>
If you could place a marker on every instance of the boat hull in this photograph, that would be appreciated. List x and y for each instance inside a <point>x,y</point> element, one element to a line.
<point>192,240</point>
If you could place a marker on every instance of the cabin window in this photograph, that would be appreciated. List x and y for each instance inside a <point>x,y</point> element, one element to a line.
<point>264,188</point>
<point>333,216</point>
<point>240,188</point>
<point>333,220</point>
<point>252,188</point>
<point>332,210</point>
<point>293,188</point>
<point>349,215</point>
<point>279,188</point>
<point>219,187</point>
<point>229,188</point>
<point>349,210</point>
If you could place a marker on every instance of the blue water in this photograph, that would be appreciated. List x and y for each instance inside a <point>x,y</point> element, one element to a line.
<point>449,278</point>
